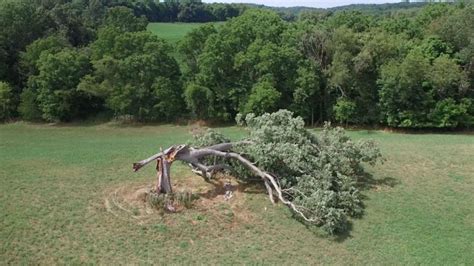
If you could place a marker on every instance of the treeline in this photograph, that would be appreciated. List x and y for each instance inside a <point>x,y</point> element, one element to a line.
<point>183,10</point>
<point>66,61</point>
<point>406,69</point>
<point>78,59</point>
<point>293,13</point>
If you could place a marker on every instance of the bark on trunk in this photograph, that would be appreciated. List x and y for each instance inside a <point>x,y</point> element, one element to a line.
<point>166,178</point>
<point>163,184</point>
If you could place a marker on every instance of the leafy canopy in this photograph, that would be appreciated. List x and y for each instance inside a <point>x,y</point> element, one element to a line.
<point>318,172</point>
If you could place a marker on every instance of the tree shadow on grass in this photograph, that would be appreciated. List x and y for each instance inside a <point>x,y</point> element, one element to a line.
<point>344,235</point>
<point>368,182</point>
<point>365,182</point>
<point>317,231</point>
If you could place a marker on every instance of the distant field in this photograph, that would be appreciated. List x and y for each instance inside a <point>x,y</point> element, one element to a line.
<point>61,189</point>
<point>173,32</point>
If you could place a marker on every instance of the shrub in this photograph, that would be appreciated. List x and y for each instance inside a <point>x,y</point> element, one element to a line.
<point>264,98</point>
<point>199,100</point>
<point>7,105</point>
<point>28,107</point>
<point>448,113</point>
<point>344,110</point>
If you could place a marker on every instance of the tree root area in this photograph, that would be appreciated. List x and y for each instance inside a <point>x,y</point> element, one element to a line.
<point>222,199</point>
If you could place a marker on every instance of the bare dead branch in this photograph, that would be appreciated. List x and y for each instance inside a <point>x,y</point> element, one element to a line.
<point>208,171</point>
<point>218,147</point>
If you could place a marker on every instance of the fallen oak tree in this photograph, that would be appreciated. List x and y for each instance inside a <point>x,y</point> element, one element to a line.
<point>314,175</point>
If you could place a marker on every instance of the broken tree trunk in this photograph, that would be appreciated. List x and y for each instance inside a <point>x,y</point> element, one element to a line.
<point>163,168</point>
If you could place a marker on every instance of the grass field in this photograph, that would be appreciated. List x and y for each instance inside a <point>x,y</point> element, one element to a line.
<point>56,183</point>
<point>173,32</point>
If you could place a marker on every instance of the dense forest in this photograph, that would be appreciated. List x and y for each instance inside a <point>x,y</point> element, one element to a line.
<point>182,10</point>
<point>401,67</point>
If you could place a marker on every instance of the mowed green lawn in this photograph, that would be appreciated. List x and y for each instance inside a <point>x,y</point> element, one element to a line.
<point>55,182</point>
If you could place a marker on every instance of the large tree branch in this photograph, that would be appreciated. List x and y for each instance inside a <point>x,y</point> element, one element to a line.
<point>257,171</point>
<point>218,147</point>
<point>208,171</point>
<point>140,164</point>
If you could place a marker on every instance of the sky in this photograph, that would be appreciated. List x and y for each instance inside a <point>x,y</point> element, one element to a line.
<point>309,3</point>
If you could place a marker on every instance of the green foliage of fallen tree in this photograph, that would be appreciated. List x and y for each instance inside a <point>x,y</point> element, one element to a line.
<point>315,175</point>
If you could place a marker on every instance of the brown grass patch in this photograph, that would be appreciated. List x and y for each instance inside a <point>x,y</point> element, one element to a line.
<point>130,202</point>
